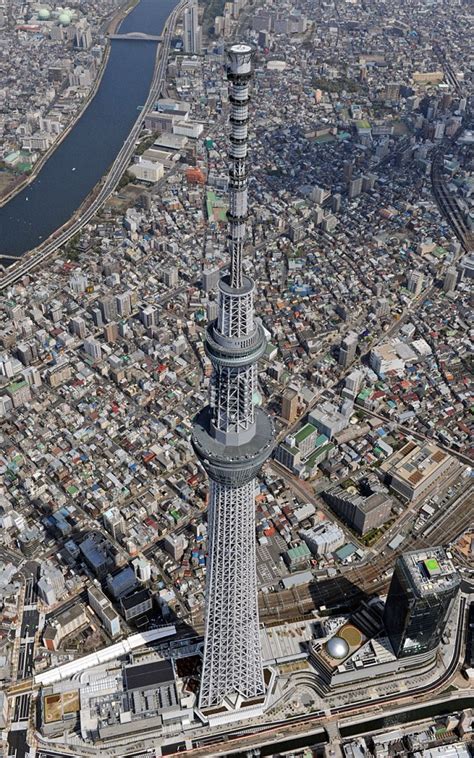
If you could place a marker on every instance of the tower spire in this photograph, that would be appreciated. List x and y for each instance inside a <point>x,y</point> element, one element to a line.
<point>233,437</point>
<point>238,73</point>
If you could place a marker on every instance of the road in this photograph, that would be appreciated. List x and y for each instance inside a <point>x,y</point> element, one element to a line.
<point>33,259</point>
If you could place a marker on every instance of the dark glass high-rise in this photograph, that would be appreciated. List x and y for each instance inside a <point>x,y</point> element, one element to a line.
<point>420,598</point>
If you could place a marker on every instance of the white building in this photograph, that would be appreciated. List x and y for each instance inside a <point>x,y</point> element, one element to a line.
<point>147,171</point>
<point>415,282</point>
<point>323,538</point>
<point>191,129</point>
<point>92,347</point>
<point>51,586</point>
<point>113,521</point>
<point>142,569</point>
<point>329,420</point>
<point>103,608</point>
<point>385,358</point>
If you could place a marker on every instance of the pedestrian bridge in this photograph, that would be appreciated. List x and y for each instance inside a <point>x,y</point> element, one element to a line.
<point>137,36</point>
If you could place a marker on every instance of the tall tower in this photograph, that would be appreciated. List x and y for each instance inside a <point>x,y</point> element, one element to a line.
<point>232,437</point>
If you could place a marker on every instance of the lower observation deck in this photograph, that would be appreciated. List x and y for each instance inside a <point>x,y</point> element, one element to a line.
<point>233,465</point>
<point>223,353</point>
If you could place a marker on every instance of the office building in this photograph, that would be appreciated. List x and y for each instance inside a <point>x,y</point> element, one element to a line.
<point>111,332</point>
<point>355,187</point>
<point>392,92</point>
<point>210,279</point>
<point>136,605</point>
<point>303,440</point>
<point>113,522</point>
<point>360,506</point>
<point>329,419</point>
<point>170,276</point>
<point>64,624</point>
<point>336,203</point>
<point>149,316</point>
<point>19,393</point>
<point>78,282</point>
<point>422,591</point>
<point>347,350</point>
<point>387,357</point>
<point>348,168</point>
<point>58,374</point>
<point>450,279</point>
<point>192,30</point>
<point>323,538</point>
<point>51,585</point>
<point>102,606</point>
<point>77,326</point>
<point>123,303</point>
<point>352,384</point>
<point>175,545</point>
<point>108,308</point>
<point>297,558</point>
<point>147,171</point>
<point>121,583</point>
<point>93,348</point>
<point>142,569</point>
<point>411,470</point>
<point>319,195</point>
<point>415,282</point>
<point>289,405</point>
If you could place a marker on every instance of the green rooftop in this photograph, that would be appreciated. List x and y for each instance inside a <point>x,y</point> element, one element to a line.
<point>321,440</point>
<point>304,433</point>
<point>432,566</point>
<point>15,386</point>
<point>319,454</point>
<point>301,551</point>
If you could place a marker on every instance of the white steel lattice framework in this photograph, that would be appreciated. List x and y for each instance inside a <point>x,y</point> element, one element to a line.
<point>232,437</point>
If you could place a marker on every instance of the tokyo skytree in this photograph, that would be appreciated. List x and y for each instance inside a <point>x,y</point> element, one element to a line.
<point>232,437</point>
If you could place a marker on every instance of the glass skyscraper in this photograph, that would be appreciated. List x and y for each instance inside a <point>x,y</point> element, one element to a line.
<point>421,594</point>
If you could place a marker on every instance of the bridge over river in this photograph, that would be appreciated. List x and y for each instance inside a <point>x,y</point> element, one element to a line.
<point>137,36</point>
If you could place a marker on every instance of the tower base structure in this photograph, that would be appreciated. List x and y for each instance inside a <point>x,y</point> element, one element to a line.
<point>235,708</point>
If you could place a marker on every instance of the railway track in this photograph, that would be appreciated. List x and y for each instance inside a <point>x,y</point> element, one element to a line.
<point>447,203</point>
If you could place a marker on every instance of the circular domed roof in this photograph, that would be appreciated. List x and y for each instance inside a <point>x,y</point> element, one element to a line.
<point>44,14</point>
<point>64,18</point>
<point>336,647</point>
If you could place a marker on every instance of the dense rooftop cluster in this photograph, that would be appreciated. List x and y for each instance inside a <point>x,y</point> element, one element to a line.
<point>365,300</point>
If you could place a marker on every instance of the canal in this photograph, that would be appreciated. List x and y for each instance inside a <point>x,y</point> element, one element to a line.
<point>407,717</point>
<point>89,149</point>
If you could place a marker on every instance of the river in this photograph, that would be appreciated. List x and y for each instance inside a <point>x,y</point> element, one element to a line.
<point>87,152</point>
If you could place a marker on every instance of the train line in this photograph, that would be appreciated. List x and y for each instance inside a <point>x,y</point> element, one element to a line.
<point>447,203</point>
